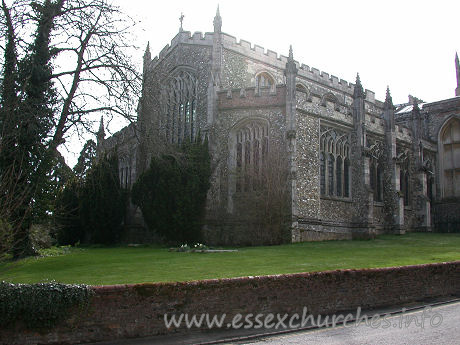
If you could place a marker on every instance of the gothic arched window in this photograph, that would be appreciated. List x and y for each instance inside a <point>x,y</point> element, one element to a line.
<point>429,187</point>
<point>372,174</point>
<point>338,173</point>
<point>334,163</point>
<point>239,162</point>
<point>330,174</point>
<point>322,165</point>
<point>406,190</point>
<point>346,178</point>
<point>265,81</point>
<point>450,158</point>
<point>376,179</point>
<point>251,153</point>
<point>124,172</point>
<point>179,100</point>
<point>404,181</point>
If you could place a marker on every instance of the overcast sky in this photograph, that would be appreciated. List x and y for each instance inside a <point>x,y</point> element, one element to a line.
<point>408,45</point>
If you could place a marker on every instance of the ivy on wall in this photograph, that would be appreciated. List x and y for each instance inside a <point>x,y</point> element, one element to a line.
<point>41,305</point>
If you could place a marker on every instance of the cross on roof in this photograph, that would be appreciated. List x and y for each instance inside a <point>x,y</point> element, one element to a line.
<point>181,18</point>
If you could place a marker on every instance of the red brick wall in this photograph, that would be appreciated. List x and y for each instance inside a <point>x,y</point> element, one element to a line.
<point>138,310</point>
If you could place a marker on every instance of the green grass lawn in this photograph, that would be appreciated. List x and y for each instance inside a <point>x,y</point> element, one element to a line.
<point>122,265</point>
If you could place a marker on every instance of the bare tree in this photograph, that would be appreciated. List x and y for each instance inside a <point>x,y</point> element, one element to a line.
<point>95,72</point>
<point>88,47</point>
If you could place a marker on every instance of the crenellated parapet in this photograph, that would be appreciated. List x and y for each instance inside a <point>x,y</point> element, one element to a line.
<point>279,61</point>
<point>259,53</point>
<point>182,37</point>
<point>314,74</point>
<point>254,51</point>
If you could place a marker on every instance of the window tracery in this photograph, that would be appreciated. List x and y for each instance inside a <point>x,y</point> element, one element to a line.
<point>450,158</point>
<point>404,177</point>
<point>265,81</point>
<point>124,173</point>
<point>179,106</point>
<point>251,153</point>
<point>334,163</point>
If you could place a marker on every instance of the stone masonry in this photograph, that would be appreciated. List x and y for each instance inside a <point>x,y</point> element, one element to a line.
<point>356,166</point>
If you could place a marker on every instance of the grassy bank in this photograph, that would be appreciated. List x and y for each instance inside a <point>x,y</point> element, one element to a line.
<point>125,265</point>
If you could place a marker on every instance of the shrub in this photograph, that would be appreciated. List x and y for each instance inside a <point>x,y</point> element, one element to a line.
<point>172,193</point>
<point>103,202</point>
<point>40,305</point>
<point>40,236</point>
<point>92,209</point>
<point>67,215</point>
<point>6,238</point>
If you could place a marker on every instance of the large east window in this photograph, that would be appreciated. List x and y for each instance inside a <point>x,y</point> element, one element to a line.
<point>179,103</point>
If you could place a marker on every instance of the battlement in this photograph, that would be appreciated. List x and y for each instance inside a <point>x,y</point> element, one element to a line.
<point>279,61</point>
<point>255,51</point>
<point>182,37</point>
<point>315,74</point>
<point>259,53</point>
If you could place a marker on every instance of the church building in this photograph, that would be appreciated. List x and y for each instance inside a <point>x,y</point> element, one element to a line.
<point>352,166</point>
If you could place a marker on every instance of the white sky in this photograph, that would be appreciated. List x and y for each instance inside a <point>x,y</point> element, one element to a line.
<point>408,45</point>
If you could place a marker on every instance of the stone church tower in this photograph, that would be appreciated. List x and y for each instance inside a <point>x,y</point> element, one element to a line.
<point>352,166</point>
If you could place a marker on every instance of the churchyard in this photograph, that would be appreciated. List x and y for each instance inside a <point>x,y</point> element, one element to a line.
<point>131,264</point>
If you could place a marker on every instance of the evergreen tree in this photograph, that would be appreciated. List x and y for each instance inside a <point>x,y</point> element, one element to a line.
<point>91,209</point>
<point>103,202</point>
<point>41,101</point>
<point>172,193</point>
<point>86,158</point>
<point>67,214</point>
<point>26,117</point>
<point>54,180</point>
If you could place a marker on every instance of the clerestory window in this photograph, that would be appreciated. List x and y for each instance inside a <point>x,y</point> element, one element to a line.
<point>265,81</point>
